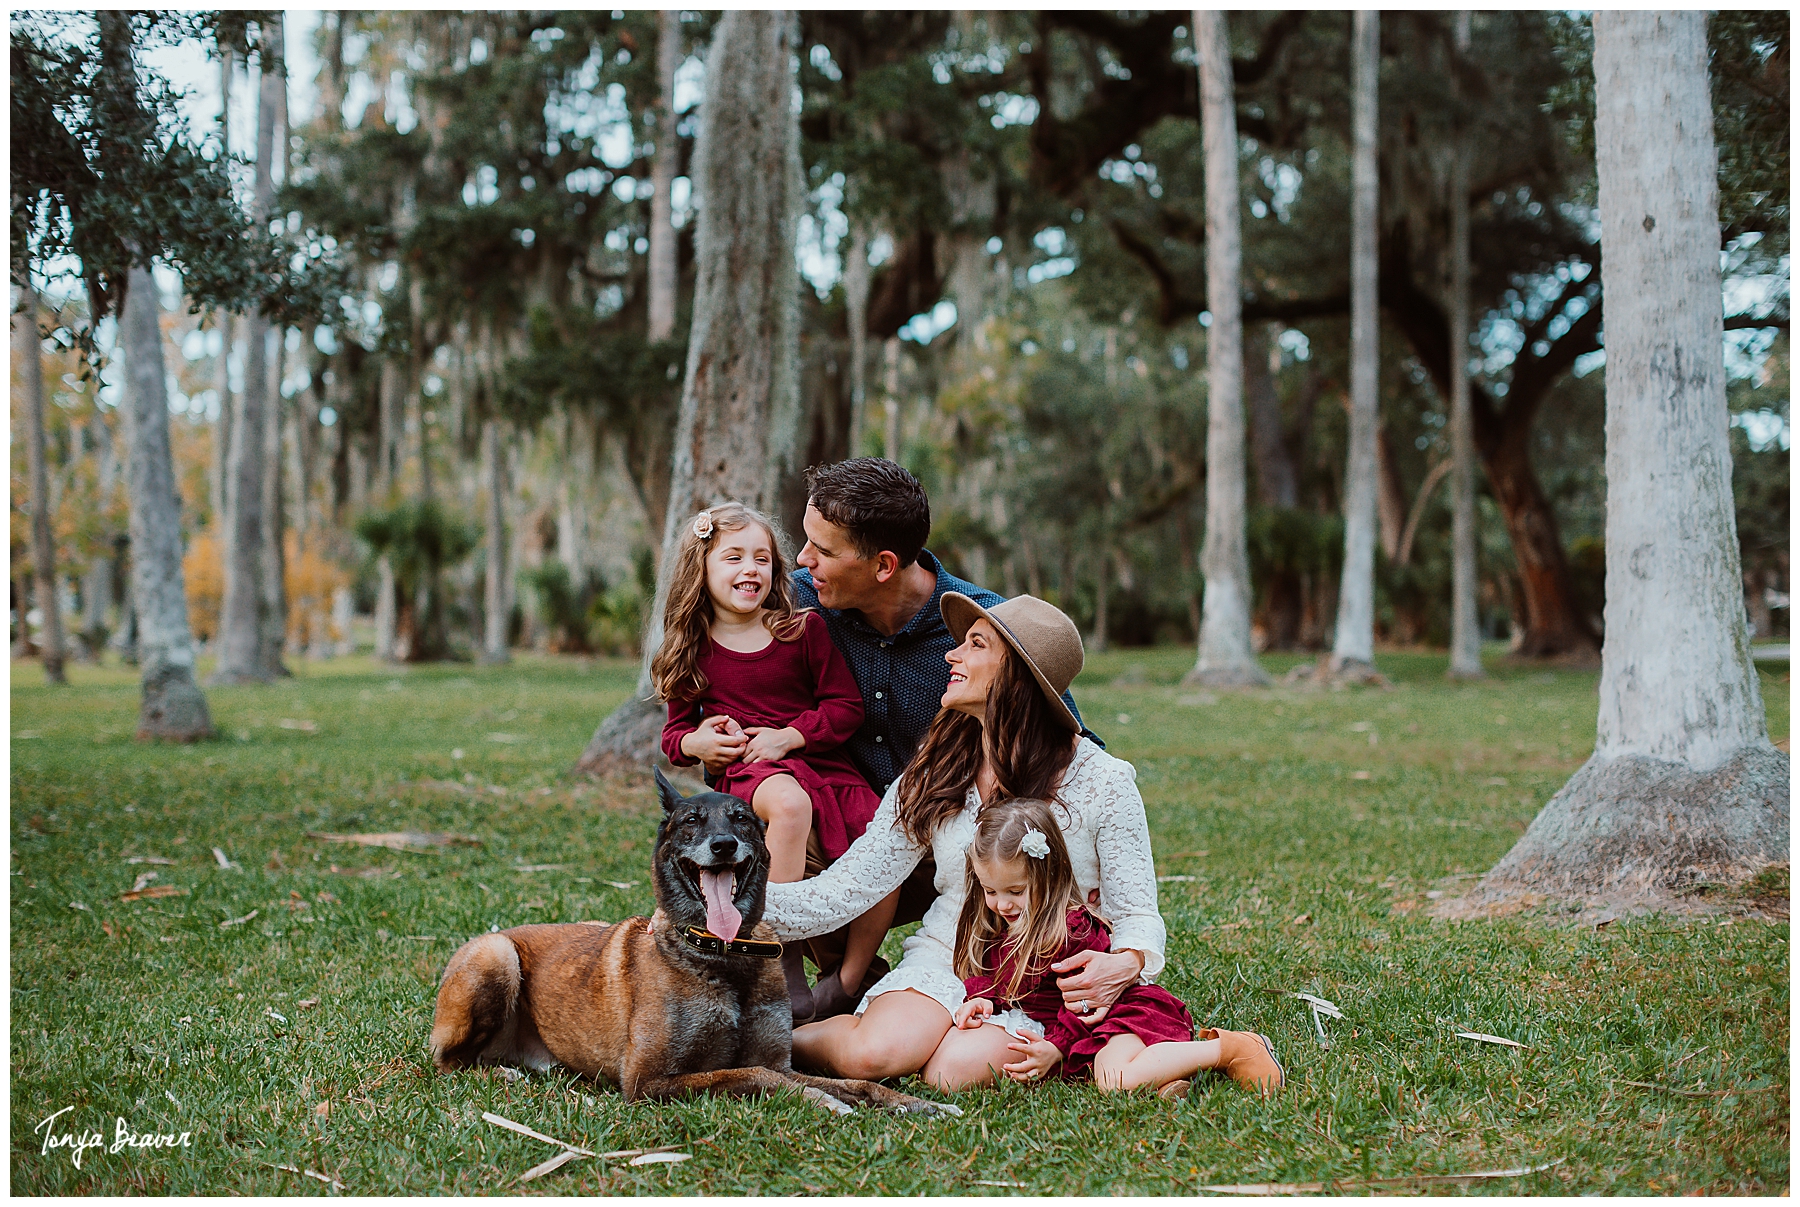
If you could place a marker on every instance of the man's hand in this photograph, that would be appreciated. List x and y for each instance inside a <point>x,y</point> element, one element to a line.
<point>1091,981</point>
<point>1036,1058</point>
<point>971,1012</point>
<point>717,743</point>
<point>772,745</point>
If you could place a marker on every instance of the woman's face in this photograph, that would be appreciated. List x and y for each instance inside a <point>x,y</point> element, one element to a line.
<point>973,667</point>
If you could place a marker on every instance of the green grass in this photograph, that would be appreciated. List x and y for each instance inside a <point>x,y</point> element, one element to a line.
<point>1303,877</point>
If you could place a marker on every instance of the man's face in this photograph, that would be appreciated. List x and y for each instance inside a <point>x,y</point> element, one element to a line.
<point>844,578</point>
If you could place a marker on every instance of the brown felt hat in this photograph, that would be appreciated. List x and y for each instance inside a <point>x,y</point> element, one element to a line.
<point>1038,632</point>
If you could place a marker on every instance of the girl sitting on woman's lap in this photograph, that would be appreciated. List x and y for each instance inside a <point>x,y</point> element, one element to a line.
<point>1023,913</point>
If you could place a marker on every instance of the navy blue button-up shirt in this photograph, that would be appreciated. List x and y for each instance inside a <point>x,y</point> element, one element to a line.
<point>902,676</point>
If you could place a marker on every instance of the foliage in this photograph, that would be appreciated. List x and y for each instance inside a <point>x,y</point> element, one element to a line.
<point>1303,879</point>
<point>419,537</point>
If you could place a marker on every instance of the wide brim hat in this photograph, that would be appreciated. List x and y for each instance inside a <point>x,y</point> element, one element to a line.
<point>1045,639</point>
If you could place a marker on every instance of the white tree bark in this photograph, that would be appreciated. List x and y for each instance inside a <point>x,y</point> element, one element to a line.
<point>30,352</point>
<point>1465,627</point>
<point>662,267</point>
<point>1683,785</point>
<point>1225,657</point>
<point>1353,650</point>
<point>221,441</point>
<point>272,638</point>
<point>173,707</point>
<point>493,646</point>
<point>242,615</point>
<point>734,432</point>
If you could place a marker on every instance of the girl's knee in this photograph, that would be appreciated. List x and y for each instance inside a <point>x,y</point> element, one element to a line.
<point>781,800</point>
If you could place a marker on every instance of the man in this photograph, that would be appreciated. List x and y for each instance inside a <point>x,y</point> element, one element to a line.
<point>866,569</point>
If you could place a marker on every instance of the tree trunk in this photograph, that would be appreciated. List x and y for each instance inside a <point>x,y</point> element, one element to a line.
<point>662,267</point>
<point>243,613</point>
<point>739,397</point>
<point>1353,649</point>
<point>856,316</point>
<point>1465,622</point>
<point>493,646</point>
<point>30,352</point>
<point>221,434</point>
<point>1390,496</point>
<point>1277,479</point>
<point>273,630</point>
<point>386,621</point>
<point>1683,786</point>
<point>173,707</point>
<point>1102,589</point>
<point>1225,657</point>
<point>891,388</point>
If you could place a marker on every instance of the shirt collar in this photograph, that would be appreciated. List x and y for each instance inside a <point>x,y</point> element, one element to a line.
<point>928,614</point>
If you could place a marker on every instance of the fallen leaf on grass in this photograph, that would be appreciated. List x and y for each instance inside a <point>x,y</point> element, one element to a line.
<point>1174,879</point>
<point>143,879</point>
<point>304,726</point>
<point>223,860</point>
<point>1361,775</point>
<point>542,867</point>
<point>977,1182</point>
<point>1303,920</point>
<point>1285,1188</point>
<point>552,1165</point>
<point>280,1018</point>
<point>504,737</point>
<point>239,921</point>
<point>308,1173</point>
<point>361,873</point>
<point>325,898</point>
<point>513,1126</point>
<point>623,884</point>
<point>1489,1039</point>
<point>306,1003</point>
<point>150,859</point>
<point>155,890</point>
<point>661,1158</point>
<point>108,928</point>
<point>398,840</point>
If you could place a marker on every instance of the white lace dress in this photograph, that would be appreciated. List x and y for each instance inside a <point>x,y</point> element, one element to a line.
<point>1109,846</point>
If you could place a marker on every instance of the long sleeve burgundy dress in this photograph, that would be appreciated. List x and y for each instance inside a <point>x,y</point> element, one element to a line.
<point>805,684</point>
<point>1150,1012</point>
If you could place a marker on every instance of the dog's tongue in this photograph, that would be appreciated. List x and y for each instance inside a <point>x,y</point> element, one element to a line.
<point>722,917</point>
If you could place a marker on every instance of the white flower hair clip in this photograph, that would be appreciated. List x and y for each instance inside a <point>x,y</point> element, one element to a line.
<point>703,525</point>
<point>1035,844</point>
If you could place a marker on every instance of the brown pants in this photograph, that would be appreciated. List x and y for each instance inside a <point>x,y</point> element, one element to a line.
<point>916,895</point>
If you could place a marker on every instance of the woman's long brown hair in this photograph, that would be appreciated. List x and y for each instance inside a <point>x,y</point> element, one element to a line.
<point>1022,738</point>
<point>687,617</point>
<point>983,940</point>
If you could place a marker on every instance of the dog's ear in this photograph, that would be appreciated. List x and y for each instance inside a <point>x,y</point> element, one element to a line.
<point>666,793</point>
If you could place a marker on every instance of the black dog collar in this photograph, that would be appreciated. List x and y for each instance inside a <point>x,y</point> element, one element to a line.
<point>705,940</point>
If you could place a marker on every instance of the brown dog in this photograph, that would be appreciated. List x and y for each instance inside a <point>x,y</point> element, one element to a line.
<point>662,1006</point>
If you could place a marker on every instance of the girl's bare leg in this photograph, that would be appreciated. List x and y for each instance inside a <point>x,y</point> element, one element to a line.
<point>969,1058</point>
<point>896,1035</point>
<point>866,934</point>
<point>1126,1062</point>
<point>785,805</point>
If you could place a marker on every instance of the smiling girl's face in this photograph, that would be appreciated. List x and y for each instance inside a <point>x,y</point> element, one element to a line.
<point>1005,887</point>
<point>738,569</point>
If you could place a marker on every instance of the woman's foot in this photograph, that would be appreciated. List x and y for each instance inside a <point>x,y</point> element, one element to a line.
<point>1248,1059</point>
<point>1174,1091</point>
<point>829,999</point>
<point>800,995</point>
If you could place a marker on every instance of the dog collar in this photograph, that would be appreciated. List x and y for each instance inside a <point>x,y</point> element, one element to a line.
<point>705,940</point>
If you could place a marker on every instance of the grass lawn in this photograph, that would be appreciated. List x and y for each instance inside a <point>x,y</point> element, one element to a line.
<point>1302,834</point>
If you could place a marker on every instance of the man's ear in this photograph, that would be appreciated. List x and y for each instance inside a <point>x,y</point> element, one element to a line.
<point>886,566</point>
<point>665,792</point>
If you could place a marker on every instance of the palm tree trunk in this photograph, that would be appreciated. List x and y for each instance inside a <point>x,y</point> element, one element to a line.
<point>30,352</point>
<point>662,266</point>
<point>1353,649</point>
<point>1683,786</point>
<point>1225,657</point>
<point>173,707</point>
<point>742,384</point>
<point>1465,624</point>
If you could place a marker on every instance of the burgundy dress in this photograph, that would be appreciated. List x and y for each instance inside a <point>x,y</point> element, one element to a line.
<point>805,684</point>
<point>1150,1012</point>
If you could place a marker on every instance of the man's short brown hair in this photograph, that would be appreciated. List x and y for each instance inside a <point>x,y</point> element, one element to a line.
<point>876,502</point>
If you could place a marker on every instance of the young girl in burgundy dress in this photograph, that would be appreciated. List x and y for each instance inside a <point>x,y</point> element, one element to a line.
<point>1022,914</point>
<point>753,682</point>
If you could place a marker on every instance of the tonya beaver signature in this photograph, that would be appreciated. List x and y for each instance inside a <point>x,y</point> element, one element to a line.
<point>124,1137</point>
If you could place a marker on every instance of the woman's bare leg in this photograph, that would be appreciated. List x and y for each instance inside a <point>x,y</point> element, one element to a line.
<point>969,1058</point>
<point>1126,1062</point>
<point>896,1035</point>
<point>866,934</point>
<point>785,805</point>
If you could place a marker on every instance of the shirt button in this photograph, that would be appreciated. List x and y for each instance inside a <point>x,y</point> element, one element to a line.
<point>878,737</point>
<point>878,695</point>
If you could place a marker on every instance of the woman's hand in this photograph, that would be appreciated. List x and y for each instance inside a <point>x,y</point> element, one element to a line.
<point>772,745</point>
<point>1091,981</point>
<point>1037,1057</point>
<point>971,1012</point>
<point>717,743</point>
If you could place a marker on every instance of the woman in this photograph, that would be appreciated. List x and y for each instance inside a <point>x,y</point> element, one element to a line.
<point>1003,732</point>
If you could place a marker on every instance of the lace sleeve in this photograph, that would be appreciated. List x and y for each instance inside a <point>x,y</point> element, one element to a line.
<point>1127,871</point>
<point>875,865</point>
